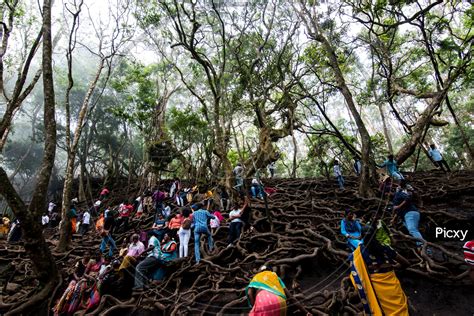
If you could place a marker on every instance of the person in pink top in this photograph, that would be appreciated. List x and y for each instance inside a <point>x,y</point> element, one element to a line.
<point>216,222</point>
<point>104,193</point>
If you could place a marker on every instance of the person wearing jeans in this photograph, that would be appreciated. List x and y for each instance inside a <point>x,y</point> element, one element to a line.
<point>338,174</point>
<point>184,232</point>
<point>406,210</point>
<point>107,239</point>
<point>109,223</point>
<point>411,221</point>
<point>149,264</point>
<point>257,188</point>
<point>236,223</point>
<point>199,223</point>
<point>392,168</point>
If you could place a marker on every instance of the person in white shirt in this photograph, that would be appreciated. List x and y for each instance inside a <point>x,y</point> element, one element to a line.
<point>51,207</point>
<point>45,220</point>
<point>271,169</point>
<point>338,174</point>
<point>86,220</point>
<point>236,223</point>
<point>136,247</point>
<point>257,188</point>
<point>435,154</point>
<point>238,173</point>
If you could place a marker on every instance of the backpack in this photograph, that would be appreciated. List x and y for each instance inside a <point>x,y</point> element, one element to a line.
<point>186,223</point>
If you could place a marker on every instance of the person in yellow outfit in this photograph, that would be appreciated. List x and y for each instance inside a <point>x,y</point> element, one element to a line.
<point>373,275</point>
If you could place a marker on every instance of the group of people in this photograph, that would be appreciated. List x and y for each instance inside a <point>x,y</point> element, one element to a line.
<point>372,257</point>
<point>183,212</point>
<point>148,252</point>
<point>391,166</point>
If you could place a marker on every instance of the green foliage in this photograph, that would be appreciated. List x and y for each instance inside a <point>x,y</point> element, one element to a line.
<point>135,86</point>
<point>187,127</point>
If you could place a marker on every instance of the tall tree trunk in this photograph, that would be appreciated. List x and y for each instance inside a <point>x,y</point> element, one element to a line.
<point>82,171</point>
<point>418,130</point>
<point>313,27</point>
<point>386,130</point>
<point>35,246</point>
<point>65,227</point>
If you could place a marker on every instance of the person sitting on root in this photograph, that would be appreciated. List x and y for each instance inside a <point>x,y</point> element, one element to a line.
<point>169,252</point>
<point>159,226</point>
<point>80,267</point>
<point>148,265</point>
<point>236,223</point>
<point>392,168</point>
<point>351,229</point>
<point>136,247</point>
<point>373,276</point>
<point>200,218</point>
<point>267,295</point>
<point>74,297</point>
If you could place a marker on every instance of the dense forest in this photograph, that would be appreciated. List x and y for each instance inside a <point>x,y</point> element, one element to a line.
<point>298,113</point>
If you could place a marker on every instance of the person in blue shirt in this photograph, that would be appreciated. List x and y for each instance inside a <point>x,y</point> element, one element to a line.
<point>392,169</point>
<point>351,229</point>
<point>438,160</point>
<point>200,219</point>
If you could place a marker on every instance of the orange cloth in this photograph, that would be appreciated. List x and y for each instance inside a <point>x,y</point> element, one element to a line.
<point>175,222</point>
<point>73,224</point>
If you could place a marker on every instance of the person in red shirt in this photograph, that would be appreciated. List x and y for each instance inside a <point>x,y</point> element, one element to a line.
<point>469,257</point>
<point>125,211</point>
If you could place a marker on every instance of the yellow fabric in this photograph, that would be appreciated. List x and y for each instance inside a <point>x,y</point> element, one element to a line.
<point>127,262</point>
<point>268,280</point>
<point>383,290</point>
<point>391,297</point>
<point>359,264</point>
